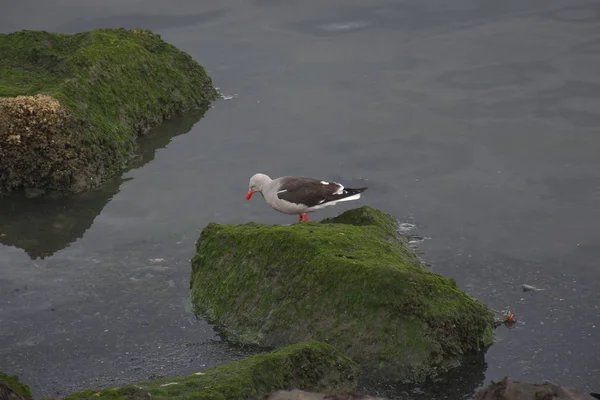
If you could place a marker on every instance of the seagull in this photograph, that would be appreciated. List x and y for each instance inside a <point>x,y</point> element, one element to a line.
<point>300,195</point>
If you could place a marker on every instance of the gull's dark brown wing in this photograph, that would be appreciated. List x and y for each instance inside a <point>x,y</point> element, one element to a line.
<point>312,192</point>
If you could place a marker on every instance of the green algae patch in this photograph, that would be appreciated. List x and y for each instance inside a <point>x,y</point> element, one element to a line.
<point>72,106</point>
<point>351,281</point>
<point>13,384</point>
<point>309,366</point>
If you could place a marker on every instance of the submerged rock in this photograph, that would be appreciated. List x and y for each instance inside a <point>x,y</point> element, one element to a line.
<point>507,389</point>
<point>13,389</point>
<point>311,366</point>
<point>351,281</point>
<point>72,106</point>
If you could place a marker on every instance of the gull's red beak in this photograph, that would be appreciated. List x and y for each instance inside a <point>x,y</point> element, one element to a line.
<point>249,194</point>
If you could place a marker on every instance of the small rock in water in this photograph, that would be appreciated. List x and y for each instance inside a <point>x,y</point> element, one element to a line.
<point>507,389</point>
<point>529,288</point>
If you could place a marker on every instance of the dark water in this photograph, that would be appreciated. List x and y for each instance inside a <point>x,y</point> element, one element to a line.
<point>476,121</point>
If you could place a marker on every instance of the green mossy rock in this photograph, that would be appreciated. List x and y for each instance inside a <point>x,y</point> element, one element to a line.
<point>351,281</point>
<point>13,387</point>
<point>72,106</point>
<point>309,366</point>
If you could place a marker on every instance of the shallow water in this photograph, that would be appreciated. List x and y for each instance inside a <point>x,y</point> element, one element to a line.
<point>475,121</point>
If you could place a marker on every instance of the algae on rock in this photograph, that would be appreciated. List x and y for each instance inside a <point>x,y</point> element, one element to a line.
<point>308,366</point>
<point>12,388</point>
<point>72,106</point>
<point>351,281</point>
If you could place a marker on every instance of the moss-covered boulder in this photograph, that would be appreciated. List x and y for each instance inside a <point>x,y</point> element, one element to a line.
<point>351,281</point>
<point>310,366</point>
<point>13,389</point>
<point>72,106</point>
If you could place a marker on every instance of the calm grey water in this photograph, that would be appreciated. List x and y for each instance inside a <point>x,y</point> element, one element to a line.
<point>476,121</point>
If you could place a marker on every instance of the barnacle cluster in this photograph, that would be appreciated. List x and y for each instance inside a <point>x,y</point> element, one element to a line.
<point>34,140</point>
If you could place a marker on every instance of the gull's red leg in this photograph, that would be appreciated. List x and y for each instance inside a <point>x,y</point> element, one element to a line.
<point>306,217</point>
